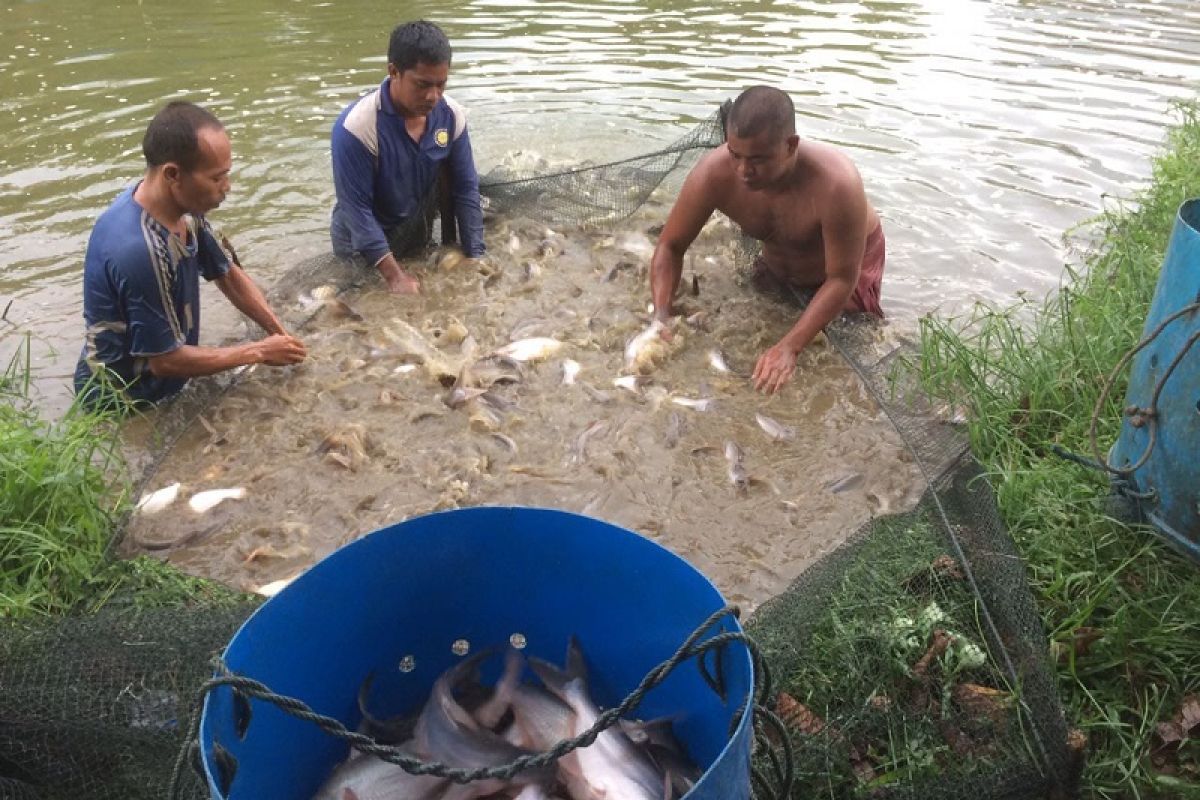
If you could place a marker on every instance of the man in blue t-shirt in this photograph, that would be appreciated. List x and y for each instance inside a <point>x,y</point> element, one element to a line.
<point>388,149</point>
<point>141,274</point>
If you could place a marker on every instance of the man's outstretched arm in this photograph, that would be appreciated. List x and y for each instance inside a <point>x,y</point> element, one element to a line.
<point>692,209</point>
<point>845,238</point>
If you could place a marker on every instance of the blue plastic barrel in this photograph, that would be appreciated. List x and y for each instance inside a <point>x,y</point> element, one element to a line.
<point>404,595</point>
<point>1167,485</point>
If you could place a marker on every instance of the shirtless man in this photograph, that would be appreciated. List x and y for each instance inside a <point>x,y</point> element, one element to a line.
<point>803,200</point>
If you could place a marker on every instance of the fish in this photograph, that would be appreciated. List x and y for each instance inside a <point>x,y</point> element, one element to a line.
<point>674,429</point>
<point>696,404</point>
<point>274,587</point>
<point>451,258</point>
<point>612,766</point>
<point>459,396</point>
<point>716,360</point>
<point>646,350</point>
<point>598,395</point>
<point>158,500</point>
<point>507,441</point>
<point>737,470</point>
<point>578,452</point>
<point>631,383</point>
<point>203,501</point>
<point>267,551</point>
<point>317,297</point>
<point>412,342</point>
<point>365,777</point>
<point>347,445</point>
<point>698,320</point>
<point>532,349</point>
<point>774,428</point>
<point>570,369</point>
<point>446,732</point>
<point>845,483</point>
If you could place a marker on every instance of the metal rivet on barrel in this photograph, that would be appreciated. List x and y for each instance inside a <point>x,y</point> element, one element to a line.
<point>460,647</point>
<point>517,640</point>
<point>408,664</point>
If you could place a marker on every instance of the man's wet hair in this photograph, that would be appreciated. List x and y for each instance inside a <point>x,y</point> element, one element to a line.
<point>172,135</point>
<point>418,42</point>
<point>762,109</point>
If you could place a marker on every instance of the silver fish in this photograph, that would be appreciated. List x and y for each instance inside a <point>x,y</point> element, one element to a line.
<point>598,395</point>
<point>159,499</point>
<point>845,483</point>
<point>446,732</point>
<point>774,428</point>
<point>631,383</point>
<point>737,470</point>
<point>612,766</point>
<point>570,369</point>
<point>701,404</point>
<point>364,777</point>
<point>716,360</point>
<point>532,349</point>
<point>674,428</point>
<point>579,451</point>
<point>203,501</point>
<point>644,351</point>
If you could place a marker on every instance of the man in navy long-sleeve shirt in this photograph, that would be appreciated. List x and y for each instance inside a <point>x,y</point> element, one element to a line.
<point>388,147</point>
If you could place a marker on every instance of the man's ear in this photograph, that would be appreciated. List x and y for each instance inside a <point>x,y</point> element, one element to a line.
<point>171,172</point>
<point>392,71</point>
<point>793,142</point>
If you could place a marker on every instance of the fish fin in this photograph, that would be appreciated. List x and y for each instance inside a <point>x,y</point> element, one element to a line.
<point>554,678</point>
<point>576,665</point>
<point>348,794</point>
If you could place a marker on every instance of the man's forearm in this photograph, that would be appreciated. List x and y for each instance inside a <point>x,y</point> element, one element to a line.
<point>827,303</point>
<point>191,361</point>
<point>246,297</point>
<point>666,268</point>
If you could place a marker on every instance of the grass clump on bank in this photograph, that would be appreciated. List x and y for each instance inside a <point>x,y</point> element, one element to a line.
<point>1121,608</point>
<point>63,493</point>
<point>58,498</point>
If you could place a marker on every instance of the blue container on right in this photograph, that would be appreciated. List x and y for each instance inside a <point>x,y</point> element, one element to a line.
<point>1167,486</point>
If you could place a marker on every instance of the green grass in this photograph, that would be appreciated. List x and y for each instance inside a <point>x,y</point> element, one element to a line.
<point>1032,375</point>
<point>63,489</point>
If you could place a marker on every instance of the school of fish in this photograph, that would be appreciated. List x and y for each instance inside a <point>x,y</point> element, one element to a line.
<point>465,725</point>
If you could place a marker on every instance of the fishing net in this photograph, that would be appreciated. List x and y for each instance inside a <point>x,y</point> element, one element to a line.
<point>910,661</point>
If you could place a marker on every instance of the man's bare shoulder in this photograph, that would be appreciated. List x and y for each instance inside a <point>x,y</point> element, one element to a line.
<point>835,167</point>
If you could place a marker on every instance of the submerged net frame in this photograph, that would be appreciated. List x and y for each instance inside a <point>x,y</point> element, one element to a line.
<point>94,707</point>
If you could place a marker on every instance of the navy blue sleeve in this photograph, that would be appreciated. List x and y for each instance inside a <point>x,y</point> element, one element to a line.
<point>464,181</point>
<point>354,182</point>
<point>213,263</point>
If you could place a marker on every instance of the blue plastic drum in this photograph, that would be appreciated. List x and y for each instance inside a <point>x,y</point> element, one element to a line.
<point>1168,483</point>
<point>404,596</point>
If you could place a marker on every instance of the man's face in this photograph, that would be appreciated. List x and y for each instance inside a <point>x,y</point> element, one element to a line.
<point>202,189</point>
<point>414,92</point>
<point>762,159</point>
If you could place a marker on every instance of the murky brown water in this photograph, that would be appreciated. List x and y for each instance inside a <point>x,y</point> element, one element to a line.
<point>361,436</point>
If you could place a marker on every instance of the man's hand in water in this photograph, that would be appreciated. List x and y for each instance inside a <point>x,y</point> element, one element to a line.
<point>398,281</point>
<point>402,283</point>
<point>774,368</point>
